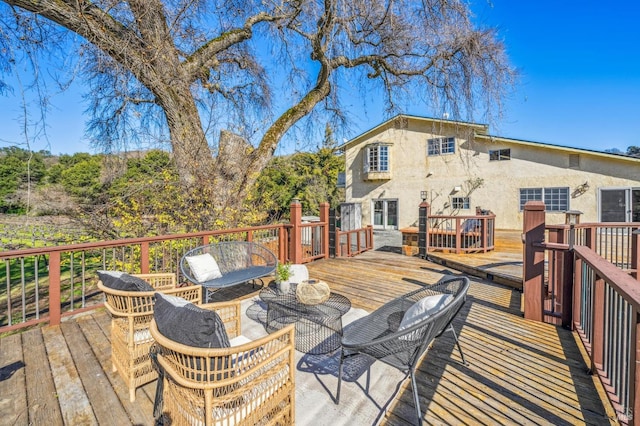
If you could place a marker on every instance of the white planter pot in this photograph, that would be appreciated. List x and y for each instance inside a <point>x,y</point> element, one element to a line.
<point>284,286</point>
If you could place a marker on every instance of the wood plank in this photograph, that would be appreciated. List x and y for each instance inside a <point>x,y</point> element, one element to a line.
<point>96,330</point>
<point>74,404</point>
<point>105,403</point>
<point>44,407</point>
<point>13,396</point>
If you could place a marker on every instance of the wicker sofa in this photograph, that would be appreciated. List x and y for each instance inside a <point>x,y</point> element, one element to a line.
<point>247,383</point>
<point>131,313</point>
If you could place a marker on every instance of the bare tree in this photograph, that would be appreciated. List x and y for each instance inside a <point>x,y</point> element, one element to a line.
<point>191,68</point>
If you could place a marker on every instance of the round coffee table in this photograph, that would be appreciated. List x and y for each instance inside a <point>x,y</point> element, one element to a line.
<point>318,327</point>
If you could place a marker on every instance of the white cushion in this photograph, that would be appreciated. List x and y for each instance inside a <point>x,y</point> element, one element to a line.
<point>423,308</point>
<point>239,340</point>
<point>299,273</point>
<point>204,267</point>
<point>175,300</point>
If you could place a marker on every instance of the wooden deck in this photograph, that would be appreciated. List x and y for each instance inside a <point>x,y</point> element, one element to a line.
<point>518,372</point>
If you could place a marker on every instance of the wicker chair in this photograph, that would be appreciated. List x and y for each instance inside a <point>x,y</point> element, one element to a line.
<point>245,384</point>
<point>379,334</point>
<point>131,313</point>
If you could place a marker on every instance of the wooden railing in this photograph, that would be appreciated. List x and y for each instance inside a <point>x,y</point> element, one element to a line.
<point>461,233</point>
<point>46,284</point>
<point>43,285</point>
<point>582,277</point>
<point>353,242</point>
<point>606,312</point>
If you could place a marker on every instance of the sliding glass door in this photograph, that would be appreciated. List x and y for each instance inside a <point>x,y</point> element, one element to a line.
<point>620,205</point>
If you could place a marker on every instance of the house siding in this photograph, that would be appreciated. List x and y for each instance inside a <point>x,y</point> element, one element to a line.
<point>532,165</point>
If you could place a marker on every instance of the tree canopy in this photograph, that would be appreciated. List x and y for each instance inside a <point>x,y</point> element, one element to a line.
<point>222,82</point>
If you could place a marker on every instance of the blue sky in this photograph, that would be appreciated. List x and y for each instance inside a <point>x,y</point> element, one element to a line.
<point>580,79</point>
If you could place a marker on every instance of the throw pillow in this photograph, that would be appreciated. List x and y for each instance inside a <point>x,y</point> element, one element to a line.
<point>122,281</point>
<point>109,278</point>
<point>423,308</point>
<point>138,283</point>
<point>185,323</point>
<point>204,267</point>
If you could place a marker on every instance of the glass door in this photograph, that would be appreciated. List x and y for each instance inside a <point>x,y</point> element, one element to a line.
<point>384,214</point>
<point>378,214</point>
<point>620,205</point>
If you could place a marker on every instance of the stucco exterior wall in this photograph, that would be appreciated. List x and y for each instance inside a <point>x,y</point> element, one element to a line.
<point>491,185</point>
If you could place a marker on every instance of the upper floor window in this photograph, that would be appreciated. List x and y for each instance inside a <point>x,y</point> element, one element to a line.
<point>440,146</point>
<point>555,199</point>
<point>500,155</point>
<point>376,158</point>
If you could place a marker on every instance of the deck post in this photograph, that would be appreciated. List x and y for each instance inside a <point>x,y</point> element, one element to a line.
<point>54,288</point>
<point>295,242</point>
<point>635,253</point>
<point>144,257</point>
<point>533,267</point>
<point>423,225</point>
<point>324,218</point>
<point>332,233</point>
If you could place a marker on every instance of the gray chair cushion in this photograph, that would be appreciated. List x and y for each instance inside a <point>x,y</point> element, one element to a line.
<point>185,323</point>
<point>124,282</point>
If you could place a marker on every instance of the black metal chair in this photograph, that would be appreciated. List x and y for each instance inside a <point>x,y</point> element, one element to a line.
<point>238,262</point>
<point>378,334</point>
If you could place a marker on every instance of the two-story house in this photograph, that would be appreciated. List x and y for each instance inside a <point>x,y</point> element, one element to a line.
<point>458,166</point>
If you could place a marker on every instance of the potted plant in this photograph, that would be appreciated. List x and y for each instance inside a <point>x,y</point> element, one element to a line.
<point>283,273</point>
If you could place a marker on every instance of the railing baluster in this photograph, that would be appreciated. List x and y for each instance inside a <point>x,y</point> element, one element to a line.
<point>37,287</point>
<point>71,280</point>
<point>23,290</point>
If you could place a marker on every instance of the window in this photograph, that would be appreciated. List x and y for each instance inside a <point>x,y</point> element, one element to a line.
<point>376,158</point>
<point>500,155</point>
<point>460,203</point>
<point>555,199</point>
<point>441,146</point>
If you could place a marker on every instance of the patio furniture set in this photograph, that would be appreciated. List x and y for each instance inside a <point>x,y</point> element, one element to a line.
<point>208,373</point>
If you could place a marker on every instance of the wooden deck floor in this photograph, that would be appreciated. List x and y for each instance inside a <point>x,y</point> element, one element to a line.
<point>518,372</point>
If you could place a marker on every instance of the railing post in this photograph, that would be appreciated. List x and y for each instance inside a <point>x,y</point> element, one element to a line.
<point>324,218</point>
<point>635,254</point>
<point>370,237</point>
<point>533,268</point>
<point>282,244</point>
<point>564,262</point>
<point>144,258</point>
<point>423,225</point>
<point>295,241</point>
<point>332,233</point>
<point>54,288</point>
<point>458,235</point>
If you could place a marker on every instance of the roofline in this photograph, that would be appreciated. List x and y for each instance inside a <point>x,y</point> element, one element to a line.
<point>479,127</point>
<point>481,133</point>
<point>494,138</point>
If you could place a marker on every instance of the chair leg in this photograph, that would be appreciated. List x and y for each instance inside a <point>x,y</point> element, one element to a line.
<point>455,336</point>
<point>416,400</point>
<point>340,376</point>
